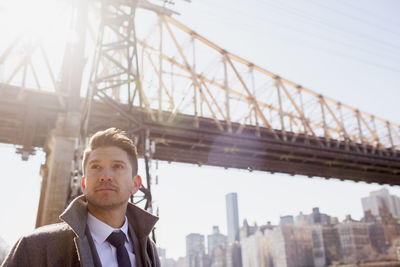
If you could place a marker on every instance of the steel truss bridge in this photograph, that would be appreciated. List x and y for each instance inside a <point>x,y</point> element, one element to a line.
<point>181,97</point>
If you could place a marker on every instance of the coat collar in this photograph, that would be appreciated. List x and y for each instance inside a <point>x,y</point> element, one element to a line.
<point>75,215</point>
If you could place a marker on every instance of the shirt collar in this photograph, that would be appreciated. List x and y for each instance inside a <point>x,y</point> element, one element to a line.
<point>100,230</point>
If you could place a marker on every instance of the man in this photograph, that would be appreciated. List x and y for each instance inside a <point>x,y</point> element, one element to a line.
<point>99,228</point>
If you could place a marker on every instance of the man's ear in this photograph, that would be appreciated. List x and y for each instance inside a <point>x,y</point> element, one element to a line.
<point>137,182</point>
<point>83,183</point>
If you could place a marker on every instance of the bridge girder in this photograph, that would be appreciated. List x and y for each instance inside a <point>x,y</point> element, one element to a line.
<point>182,141</point>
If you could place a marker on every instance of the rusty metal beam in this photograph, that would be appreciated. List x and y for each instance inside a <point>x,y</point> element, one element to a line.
<point>181,141</point>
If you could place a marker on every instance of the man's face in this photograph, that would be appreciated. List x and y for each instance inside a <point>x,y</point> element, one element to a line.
<point>108,180</point>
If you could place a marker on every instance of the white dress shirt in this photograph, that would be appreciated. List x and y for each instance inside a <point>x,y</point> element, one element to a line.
<point>108,253</point>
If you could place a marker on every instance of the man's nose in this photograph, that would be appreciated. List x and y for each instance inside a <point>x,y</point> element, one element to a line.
<point>107,175</point>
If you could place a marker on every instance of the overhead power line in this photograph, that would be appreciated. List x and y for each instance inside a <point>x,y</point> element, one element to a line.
<point>355,18</point>
<point>379,53</point>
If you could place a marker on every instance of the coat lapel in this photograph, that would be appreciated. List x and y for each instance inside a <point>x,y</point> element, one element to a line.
<point>95,255</point>
<point>142,223</point>
<point>136,246</point>
<point>84,251</point>
<point>140,226</point>
<point>75,215</point>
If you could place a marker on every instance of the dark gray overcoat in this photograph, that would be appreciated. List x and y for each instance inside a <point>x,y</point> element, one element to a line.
<point>70,244</point>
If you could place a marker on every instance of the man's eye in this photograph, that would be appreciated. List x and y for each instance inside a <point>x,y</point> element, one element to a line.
<point>95,166</point>
<point>118,166</point>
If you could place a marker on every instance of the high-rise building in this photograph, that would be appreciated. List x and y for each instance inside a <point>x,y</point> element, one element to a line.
<point>216,244</point>
<point>380,198</point>
<point>302,219</point>
<point>255,247</point>
<point>247,230</point>
<point>390,224</point>
<point>298,245</point>
<point>164,261</point>
<point>234,255</point>
<point>286,220</point>
<point>254,250</point>
<point>232,217</point>
<point>325,245</point>
<point>353,238</point>
<point>181,262</point>
<point>316,217</point>
<point>286,246</point>
<point>268,245</point>
<point>162,254</point>
<point>219,258</point>
<point>195,251</point>
<point>376,232</point>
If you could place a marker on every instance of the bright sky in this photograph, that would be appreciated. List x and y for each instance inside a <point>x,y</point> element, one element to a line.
<point>346,50</point>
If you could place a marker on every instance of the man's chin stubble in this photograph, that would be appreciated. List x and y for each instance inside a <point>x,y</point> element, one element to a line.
<point>104,204</point>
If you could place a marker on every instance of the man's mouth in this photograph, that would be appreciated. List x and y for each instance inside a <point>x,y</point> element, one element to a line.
<point>105,188</point>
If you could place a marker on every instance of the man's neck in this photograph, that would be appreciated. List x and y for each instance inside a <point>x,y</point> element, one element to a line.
<point>113,217</point>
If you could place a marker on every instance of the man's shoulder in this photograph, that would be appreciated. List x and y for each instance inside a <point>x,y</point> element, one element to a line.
<point>51,230</point>
<point>50,245</point>
<point>51,239</point>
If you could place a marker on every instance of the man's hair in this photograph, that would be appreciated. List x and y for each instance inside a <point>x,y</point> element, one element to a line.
<point>112,137</point>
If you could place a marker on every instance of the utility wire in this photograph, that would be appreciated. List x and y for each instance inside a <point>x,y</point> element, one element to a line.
<point>249,17</point>
<point>342,30</point>
<point>354,18</point>
<point>366,11</point>
<point>313,35</point>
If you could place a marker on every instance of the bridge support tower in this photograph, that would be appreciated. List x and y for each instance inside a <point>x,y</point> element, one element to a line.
<point>58,168</point>
<point>62,142</point>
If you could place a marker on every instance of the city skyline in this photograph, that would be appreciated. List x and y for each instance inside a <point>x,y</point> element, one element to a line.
<point>311,219</point>
<point>311,196</point>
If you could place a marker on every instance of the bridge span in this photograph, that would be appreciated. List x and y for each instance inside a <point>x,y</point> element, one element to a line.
<point>181,98</point>
<point>31,116</point>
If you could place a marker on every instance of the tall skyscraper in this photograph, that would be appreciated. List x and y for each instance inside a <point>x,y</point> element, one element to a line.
<point>232,217</point>
<point>195,251</point>
<point>380,198</point>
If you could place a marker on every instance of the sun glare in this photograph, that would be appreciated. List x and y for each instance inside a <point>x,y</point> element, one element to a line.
<point>41,19</point>
<point>34,33</point>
